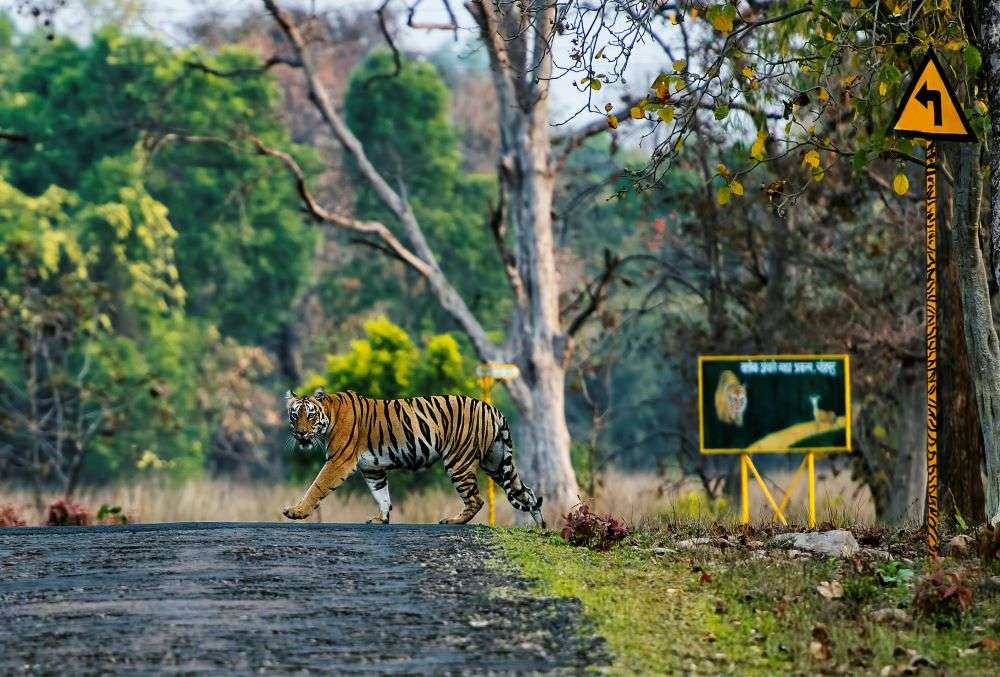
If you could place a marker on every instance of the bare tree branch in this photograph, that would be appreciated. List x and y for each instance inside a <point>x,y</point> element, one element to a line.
<point>243,72</point>
<point>596,292</point>
<point>14,138</point>
<point>421,257</point>
<point>396,60</point>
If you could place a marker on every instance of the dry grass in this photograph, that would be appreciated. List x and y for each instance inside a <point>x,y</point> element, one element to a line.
<point>634,496</point>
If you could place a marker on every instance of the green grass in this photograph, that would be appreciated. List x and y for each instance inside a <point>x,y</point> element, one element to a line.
<point>728,613</point>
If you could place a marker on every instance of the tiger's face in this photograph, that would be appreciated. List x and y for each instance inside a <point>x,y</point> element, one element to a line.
<point>736,398</point>
<point>307,417</point>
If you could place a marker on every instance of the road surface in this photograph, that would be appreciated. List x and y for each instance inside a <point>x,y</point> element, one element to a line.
<point>278,598</point>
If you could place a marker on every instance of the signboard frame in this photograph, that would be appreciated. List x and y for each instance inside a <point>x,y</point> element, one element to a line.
<point>847,448</point>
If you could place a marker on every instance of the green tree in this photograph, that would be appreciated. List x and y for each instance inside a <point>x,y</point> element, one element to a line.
<point>242,248</point>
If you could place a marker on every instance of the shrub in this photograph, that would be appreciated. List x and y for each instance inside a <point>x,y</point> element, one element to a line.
<point>942,596</point>
<point>112,514</point>
<point>10,517</point>
<point>585,528</point>
<point>893,574</point>
<point>66,513</point>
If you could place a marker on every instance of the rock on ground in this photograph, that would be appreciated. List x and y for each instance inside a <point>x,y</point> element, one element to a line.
<point>240,598</point>
<point>835,543</point>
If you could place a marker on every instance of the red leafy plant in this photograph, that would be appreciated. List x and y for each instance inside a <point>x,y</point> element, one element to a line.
<point>66,513</point>
<point>942,596</point>
<point>585,528</point>
<point>10,517</point>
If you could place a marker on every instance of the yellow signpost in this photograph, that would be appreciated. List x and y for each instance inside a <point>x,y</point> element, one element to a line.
<point>931,111</point>
<point>771,404</point>
<point>489,372</point>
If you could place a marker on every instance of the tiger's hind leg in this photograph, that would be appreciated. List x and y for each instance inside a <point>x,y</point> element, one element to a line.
<point>378,485</point>
<point>499,465</point>
<point>468,488</point>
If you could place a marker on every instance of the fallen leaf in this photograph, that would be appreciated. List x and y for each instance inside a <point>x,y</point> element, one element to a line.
<point>705,578</point>
<point>830,589</point>
<point>986,644</point>
<point>819,651</point>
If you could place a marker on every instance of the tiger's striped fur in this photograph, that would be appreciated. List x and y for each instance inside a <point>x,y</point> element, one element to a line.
<point>376,436</point>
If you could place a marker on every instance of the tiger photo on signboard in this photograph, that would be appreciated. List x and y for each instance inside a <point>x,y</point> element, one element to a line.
<point>773,403</point>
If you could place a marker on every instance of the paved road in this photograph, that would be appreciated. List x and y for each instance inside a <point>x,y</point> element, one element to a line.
<point>275,598</point>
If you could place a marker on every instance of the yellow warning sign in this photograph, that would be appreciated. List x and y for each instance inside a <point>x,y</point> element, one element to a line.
<point>930,109</point>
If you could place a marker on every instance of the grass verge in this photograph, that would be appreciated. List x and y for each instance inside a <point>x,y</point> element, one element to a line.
<point>753,610</point>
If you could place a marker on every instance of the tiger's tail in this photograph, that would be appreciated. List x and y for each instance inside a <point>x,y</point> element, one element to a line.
<point>519,495</point>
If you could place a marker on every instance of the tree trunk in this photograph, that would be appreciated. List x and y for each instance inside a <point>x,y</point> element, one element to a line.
<point>907,489</point>
<point>989,43</point>
<point>980,334</point>
<point>527,176</point>
<point>960,442</point>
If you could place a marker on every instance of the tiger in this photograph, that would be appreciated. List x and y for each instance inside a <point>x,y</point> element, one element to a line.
<point>730,399</point>
<point>375,436</point>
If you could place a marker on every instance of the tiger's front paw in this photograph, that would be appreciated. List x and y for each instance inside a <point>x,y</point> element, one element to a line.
<point>295,513</point>
<point>378,519</point>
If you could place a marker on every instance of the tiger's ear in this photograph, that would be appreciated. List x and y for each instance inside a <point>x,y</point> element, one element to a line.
<point>319,394</point>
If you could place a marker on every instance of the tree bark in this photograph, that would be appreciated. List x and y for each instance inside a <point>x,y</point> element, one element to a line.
<point>907,489</point>
<point>989,43</point>
<point>960,442</point>
<point>980,334</point>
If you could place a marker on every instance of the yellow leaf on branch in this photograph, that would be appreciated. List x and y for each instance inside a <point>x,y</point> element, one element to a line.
<point>901,184</point>
<point>635,112</point>
<point>736,188</point>
<point>613,121</point>
<point>811,159</point>
<point>757,149</point>
<point>722,196</point>
<point>666,113</point>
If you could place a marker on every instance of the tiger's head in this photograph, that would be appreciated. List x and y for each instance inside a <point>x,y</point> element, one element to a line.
<point>307,417</point>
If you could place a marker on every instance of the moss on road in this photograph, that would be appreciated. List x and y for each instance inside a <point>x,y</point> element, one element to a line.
<point>746,611</point>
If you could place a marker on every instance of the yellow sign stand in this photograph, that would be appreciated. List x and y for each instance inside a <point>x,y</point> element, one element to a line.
<point>808,464</point>
<point>930,110</point>
<point>488,373</point>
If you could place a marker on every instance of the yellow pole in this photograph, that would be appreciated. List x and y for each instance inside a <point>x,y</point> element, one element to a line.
<point>487,384</point>
<point>787,496</point>
<point>744,489</point>
<point>930,317</point>
<point>810,459</point>
<point>767,493</point>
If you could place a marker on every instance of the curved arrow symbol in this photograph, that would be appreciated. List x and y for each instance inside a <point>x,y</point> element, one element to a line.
<point>930,96</point>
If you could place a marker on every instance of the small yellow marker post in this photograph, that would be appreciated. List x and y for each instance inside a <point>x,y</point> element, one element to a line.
<point>487,385</point>
<point>488,373</point>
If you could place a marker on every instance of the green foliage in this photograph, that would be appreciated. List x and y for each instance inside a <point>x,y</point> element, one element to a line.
<point>242,246</point>
<point>893,574</point>
<point>387,364</point>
